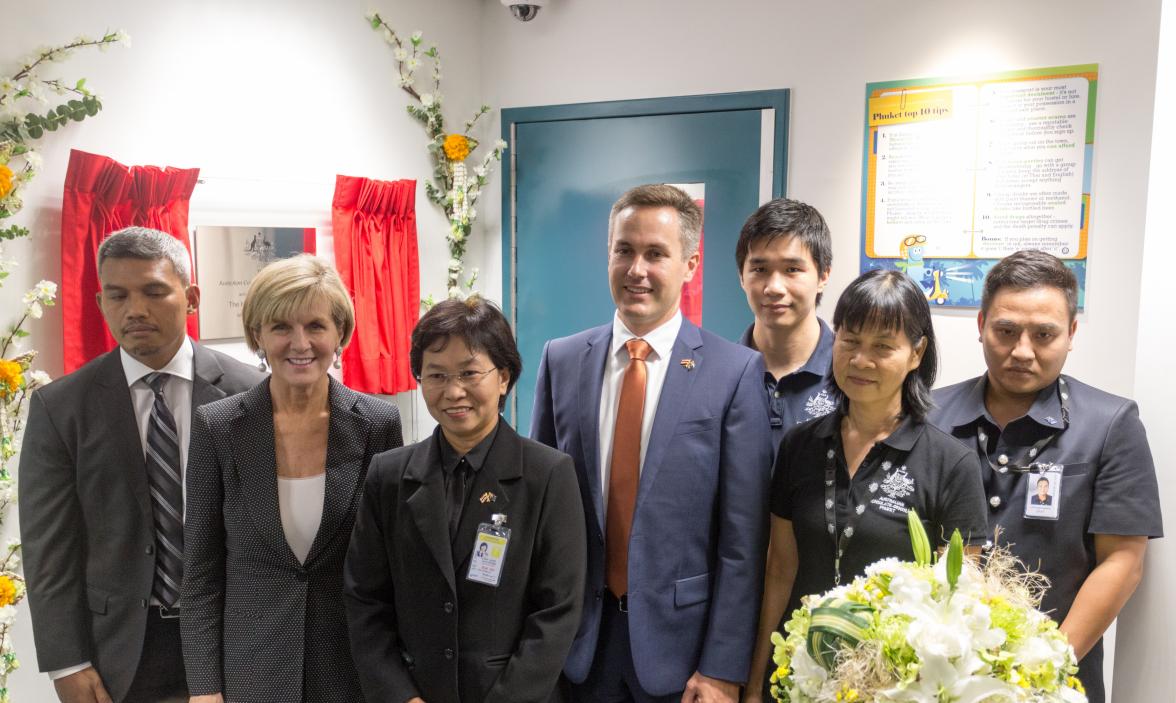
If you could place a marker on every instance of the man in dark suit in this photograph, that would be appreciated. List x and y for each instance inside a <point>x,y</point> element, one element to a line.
<point>668,428</point>
<point>101,483</point>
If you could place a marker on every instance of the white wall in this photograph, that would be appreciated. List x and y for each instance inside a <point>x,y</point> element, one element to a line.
<point>270,98</point>
<point>826,52</point>
<point>1147,626</point>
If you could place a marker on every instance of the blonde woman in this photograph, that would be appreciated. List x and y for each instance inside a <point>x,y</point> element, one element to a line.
<point>274,478</point>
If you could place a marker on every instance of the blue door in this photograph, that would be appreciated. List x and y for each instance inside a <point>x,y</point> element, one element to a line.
<point>571,162</point>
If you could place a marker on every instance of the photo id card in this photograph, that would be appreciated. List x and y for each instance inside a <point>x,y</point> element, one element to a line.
<point>489,554</point>
<point>1043,493</point>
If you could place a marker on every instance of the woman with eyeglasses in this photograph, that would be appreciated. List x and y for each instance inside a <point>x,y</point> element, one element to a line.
<point>465,576</point>
<point>843,483</point>
<point>273,481</point>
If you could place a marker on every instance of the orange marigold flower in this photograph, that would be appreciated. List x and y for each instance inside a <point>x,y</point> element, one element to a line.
<point>7,591</point>
<point>10,377</point>
<point>5,181</point>
<point>457,147</point>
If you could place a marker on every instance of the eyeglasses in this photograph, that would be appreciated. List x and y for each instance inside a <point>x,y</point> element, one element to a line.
<point>465,379</point>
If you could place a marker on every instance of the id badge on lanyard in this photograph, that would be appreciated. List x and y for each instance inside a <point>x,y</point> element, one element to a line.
<point>1043,492</point>
<point>489,553</point>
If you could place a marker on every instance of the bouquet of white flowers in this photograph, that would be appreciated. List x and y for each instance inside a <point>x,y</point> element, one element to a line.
<point>950,630</point>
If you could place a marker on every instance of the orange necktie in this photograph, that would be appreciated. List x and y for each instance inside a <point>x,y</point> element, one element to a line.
<point>626,469</point>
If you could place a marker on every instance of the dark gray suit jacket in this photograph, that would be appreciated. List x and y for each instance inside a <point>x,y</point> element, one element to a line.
<point>258,625</point>
<point>418,626</point>
<point>85,514</point>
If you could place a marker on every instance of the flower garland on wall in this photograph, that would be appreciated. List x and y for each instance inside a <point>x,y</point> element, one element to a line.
<point>19,164</point>
<point>455,188</point>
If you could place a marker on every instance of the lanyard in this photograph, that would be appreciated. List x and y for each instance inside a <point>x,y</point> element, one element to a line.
<point>841,542</point>
<point>1003,464</point>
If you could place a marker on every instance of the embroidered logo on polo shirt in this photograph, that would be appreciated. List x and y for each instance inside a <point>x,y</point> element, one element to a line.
<point>897,486</point>
<point>819,405</point>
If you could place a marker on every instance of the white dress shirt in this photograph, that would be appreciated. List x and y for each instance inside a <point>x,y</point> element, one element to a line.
<point>657,363</point>
<point>178,394</point>
<point>300,502</point>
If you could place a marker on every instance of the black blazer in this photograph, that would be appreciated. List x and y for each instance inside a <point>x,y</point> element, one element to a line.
<point>85,514</point>
<point>418,627</point>
<point>257,625</point>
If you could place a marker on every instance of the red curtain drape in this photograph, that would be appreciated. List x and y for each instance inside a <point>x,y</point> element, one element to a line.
<point>375,236</point>
<point>101,197</point>
<point>691,301</point>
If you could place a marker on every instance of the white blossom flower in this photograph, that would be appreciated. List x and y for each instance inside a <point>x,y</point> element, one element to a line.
<point>454,265</point>
<point>123,38</point>
<point>406,81</point>
<point>39,378</point>
<point>808,675</point>
<point>34,310</point>
<point>34,160</point>
<point>45,290</point>
<point>8,86</point>
<point>480,171</point>
<point>427,99</point>
<point>500,145</point>
<point>412,63</point>
<point>399,53</point>
<point>7,615</point>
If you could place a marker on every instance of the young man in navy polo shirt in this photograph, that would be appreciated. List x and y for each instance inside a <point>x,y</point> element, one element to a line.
<point>1033,426</point>
<point>784,254</point>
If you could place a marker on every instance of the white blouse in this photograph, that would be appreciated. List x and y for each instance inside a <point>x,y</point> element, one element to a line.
<point>300,501</point>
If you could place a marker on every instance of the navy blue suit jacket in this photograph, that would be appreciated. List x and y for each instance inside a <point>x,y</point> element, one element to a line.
<point>696,552</point>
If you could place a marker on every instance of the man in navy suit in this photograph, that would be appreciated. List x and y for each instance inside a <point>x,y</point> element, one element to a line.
<point>675,558</point>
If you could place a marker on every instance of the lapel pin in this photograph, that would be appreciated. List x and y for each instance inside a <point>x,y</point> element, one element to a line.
<point>687,364</point>
<point>487,497</point>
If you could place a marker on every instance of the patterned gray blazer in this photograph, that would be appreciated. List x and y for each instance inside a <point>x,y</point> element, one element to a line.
<point>258,626</point>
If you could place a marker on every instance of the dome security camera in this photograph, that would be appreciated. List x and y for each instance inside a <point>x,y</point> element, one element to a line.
<point>524,11</point>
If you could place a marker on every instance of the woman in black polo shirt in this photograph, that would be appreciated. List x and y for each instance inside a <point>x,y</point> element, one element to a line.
<point>843,483</point>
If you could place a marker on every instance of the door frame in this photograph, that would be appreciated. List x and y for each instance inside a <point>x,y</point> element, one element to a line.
<point>777,100</point>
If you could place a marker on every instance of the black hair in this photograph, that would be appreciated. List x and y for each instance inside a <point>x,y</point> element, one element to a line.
<point>1030,268</point>
<point>890,300</point>
<point>787,218</point>
<point>476,321</point>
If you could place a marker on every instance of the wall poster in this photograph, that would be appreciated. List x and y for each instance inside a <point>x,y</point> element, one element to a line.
<point>957,173</point>
<point>227,259</point>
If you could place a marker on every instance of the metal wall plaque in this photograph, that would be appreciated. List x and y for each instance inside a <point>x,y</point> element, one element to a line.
<point>227,259</point>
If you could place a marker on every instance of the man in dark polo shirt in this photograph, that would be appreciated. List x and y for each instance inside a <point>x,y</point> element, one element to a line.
<point>784,254</point>
<point>1029,423</point>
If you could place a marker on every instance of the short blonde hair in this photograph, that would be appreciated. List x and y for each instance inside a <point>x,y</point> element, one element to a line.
<point>288,286</point>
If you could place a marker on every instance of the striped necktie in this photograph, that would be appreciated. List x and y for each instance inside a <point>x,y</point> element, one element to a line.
<point>167,494</point>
